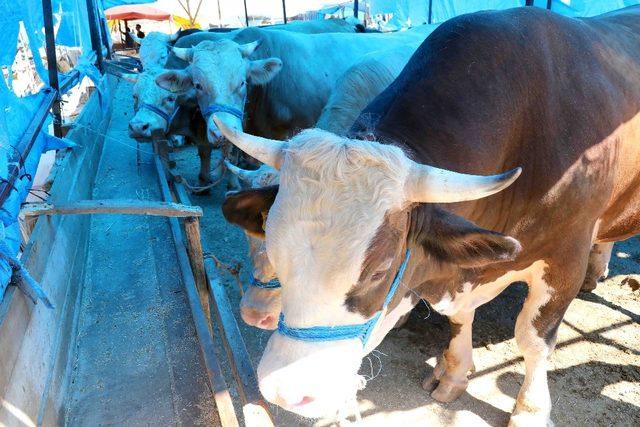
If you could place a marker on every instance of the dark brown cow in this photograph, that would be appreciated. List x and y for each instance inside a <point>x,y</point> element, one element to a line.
<point>485,93</point>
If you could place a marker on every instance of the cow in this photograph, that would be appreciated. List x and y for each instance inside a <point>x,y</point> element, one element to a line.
<point>360,84</point>
<point>154,48</point>
<point>281,86</point>
<point>159,116</point>
<point>358,230</point>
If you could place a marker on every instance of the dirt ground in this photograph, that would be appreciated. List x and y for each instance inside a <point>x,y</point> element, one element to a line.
<point>594,375</point>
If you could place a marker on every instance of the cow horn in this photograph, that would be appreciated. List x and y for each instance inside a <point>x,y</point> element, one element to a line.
<point>173,37</point>
<point>243,174</point>
<point>247,49</point>
<point>184,53</point>
<point>130,77</point>
<point>268,151</point>
<point>428,184</point>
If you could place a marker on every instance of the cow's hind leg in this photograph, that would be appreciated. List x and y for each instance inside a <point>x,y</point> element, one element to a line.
<point>598,265</point>
<point>449,378</point>
<point>551,288</point>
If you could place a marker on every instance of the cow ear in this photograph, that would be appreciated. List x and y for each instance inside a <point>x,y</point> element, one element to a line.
<point>264,70</point>
<point>249,208</point>
<point>451,238</point>
<point>175,81</point>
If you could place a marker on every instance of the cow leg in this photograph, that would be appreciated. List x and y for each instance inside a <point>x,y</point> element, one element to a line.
<point>204,152</point>
<point>598,267</point>
<point>551,289</point>
<point>449,378</point>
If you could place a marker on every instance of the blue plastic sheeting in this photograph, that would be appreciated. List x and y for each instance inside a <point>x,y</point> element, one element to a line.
<point>417,11</point>
<point>70,17</point>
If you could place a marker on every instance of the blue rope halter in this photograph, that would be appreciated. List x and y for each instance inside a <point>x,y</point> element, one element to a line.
<point>168,118</point>
<point>271,284</point>
<point>361,331</point>
<point>221,108</point>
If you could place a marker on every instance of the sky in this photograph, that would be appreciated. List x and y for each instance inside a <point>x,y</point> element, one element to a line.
<point>233,10</point>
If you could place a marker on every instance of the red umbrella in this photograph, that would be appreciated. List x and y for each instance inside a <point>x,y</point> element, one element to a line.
<point>138,11</point>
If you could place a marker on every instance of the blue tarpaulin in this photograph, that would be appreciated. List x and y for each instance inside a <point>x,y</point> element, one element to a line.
<point>71,21</point>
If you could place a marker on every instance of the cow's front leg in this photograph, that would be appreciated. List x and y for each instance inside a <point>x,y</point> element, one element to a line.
<point>204,152</point>
<point>598,265</point>
<point>449,378</point>
<point>551,289</point>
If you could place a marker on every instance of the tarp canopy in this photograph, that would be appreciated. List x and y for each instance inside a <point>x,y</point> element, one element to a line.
<point>131,12</point>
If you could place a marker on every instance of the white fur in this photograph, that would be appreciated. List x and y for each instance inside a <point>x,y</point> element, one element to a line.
<point>147,91</point>
<point>154,50</point>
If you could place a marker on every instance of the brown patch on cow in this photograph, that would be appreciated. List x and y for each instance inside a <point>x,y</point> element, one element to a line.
<point>248,208</point>
<point>455,329</point>
<point>367,296</point>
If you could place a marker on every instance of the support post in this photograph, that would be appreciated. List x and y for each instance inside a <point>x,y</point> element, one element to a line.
<point>430,12</point>
<point>246,14</point>
<point>284,10</point>
<point>52,65</point>
<point>196,257</point>
<point>95,36</point>
<point>528,2</point>
<point>549,4</point>
<point>355,8</point>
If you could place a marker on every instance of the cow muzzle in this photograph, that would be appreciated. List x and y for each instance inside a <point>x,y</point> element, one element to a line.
<point>261,307</point>
<point>310,379</point>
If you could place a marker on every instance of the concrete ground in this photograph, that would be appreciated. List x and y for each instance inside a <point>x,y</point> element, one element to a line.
<point>594,374</point>
<point>137,359</point>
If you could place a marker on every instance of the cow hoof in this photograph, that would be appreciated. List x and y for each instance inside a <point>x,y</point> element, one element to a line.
<point>589,285</point>
<point>448,391</point>
<point>430,383</point>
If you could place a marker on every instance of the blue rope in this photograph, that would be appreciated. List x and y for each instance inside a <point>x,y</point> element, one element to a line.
<point>167,118</point>
<point>221,108</point>
<point>271,284</point>
<point>361,331</point>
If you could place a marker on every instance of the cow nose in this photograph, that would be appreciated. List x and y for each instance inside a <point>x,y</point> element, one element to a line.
<point>138,128</point>
<point>293,401</point>
<point>259,319</point>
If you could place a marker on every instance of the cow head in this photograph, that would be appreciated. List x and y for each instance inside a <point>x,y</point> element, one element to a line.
<point>259,307</point>
<point>147,122</point>
<point>154,48</point>
<point>220,72</point>
<point>345,213</point>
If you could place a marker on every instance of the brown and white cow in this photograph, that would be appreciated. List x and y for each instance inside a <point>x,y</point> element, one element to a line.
<point>485,93</point>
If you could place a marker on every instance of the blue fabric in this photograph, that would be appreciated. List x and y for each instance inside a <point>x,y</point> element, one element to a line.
<point>271,284</point>
<point>360,331</point>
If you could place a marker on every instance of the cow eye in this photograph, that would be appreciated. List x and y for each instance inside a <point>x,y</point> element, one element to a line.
<point>378,275</point>
<point>171,98</point>
<point>198,86</point>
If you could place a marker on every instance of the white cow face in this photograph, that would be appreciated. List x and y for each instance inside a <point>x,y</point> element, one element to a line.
<point>154,49</point>
<point>220,72</point>
<point>335,234</point>
<point>146,122</point>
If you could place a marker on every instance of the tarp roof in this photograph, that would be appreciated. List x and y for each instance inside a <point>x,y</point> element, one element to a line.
<point>131,12</point>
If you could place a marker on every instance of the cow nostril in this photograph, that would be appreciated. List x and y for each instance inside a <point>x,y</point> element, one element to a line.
<point>305,401</point>
<point>145,126</point>
<point>268,322</point>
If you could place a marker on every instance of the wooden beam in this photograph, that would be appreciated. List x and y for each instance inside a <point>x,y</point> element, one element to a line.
<point>194,246</point>
<point>52,64</point>
<point>119,206</point>
<point>219,387</point>
<point>254,408</point>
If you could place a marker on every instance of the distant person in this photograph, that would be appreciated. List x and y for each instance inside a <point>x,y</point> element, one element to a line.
<point>139,31</point>
<point>128,40</point>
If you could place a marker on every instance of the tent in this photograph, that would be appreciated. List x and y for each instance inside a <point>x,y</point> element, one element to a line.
<point>131,12</point>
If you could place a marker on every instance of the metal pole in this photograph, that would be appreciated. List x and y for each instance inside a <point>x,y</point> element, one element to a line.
<point>355,8</point>
<point>246,15</point>
<point>52,65</point>
<point>95,36</point>
<point>549,4</point>
<point>528,3</point>
<point>429,19</point>
<point>105,39</point>
<point>284,10</point>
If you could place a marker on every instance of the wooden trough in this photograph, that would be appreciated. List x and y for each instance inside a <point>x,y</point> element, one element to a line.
<point>40,348</point>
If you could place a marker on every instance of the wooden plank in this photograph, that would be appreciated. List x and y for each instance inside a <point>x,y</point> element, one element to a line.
<point>221,394</point>
<point>194,245</point>
<point>120,206</point>
<point>254,407</point>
